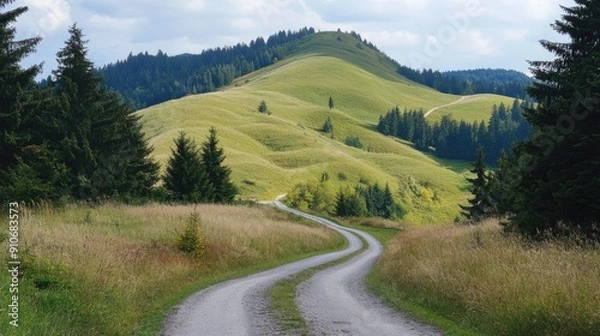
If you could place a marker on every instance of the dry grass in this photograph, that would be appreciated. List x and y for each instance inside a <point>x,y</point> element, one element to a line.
<point>102,269</point>
<point>494,284</point>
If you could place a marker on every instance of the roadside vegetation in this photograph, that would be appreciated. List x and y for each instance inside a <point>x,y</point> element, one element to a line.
<point>476,280</point>
<point>117,270</point>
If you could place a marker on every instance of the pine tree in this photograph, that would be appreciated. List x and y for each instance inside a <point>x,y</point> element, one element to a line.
<point>558,187</point>
<point>331,104</point>
<point>185,177</point>
<point>15,98</point>
<point>327,126</point>
<point>262,107</point>
<point>218,174</point>
<point>480,205</point>
<point>102,143</point>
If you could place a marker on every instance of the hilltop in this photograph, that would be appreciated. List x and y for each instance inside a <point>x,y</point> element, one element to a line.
<point>269,154</point>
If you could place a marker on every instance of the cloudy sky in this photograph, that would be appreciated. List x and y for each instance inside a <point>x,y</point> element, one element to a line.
<point>438,34</point>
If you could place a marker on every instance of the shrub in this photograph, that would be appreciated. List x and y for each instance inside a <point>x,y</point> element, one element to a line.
<point>191,240</point>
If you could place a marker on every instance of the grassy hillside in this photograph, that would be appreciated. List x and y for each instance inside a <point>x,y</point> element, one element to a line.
<point>269,154</point>
<point>472,108</point>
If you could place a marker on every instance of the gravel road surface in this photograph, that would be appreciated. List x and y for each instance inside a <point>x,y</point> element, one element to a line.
<point>334,302</point>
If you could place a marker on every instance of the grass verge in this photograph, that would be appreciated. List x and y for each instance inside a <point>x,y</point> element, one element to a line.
<point>115,270</point>
<point>478,281</point>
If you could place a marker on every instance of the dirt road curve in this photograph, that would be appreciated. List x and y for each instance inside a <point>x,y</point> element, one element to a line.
<point>334,302</point>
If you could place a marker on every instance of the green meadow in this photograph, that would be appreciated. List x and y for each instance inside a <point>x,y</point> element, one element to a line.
<point>270,153</point>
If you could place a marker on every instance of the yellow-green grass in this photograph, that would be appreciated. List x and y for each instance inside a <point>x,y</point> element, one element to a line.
<point>269,154</point>
<point>474,108</point>
<point>478,281</point>
<point>115,269</point>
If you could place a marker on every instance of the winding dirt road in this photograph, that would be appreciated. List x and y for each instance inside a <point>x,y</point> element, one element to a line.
<point>334,302</point>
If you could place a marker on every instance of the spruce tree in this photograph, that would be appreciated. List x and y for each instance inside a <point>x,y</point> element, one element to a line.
<point>331,104</point>
<point>15,100</point>
<point>558,188</point>
<point>103,145</point>
<point>218,174</point>
<point>185,177</point>
<point>480,205</point>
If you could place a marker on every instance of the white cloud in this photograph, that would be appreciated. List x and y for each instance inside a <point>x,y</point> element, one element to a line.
<point>476,42</point>
<point>47,16</point>
<point>398,38</point>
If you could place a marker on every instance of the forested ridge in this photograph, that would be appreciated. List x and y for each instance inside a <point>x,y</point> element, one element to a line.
<point>145,80</point>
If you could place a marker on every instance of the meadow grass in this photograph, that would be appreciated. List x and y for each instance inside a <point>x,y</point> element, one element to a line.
<point>478,281</point>
<point>475,108</point>
<point>115,269</point>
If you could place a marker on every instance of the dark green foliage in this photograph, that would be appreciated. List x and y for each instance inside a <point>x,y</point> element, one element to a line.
<point>459,140</point>
<point>557,189</point>
<point>144,80</point>
<point>331,104</point>
<point>327,126</point>
<point>480,206</point>
<point>467,82</point>
<point>350,204</point>
<point>218,174</point>
<point>380,202</point>
<point>16,104</point>
<point>354,141</point>
<point>186,178</point>
<point>101,144</point>
<point>262,107</point>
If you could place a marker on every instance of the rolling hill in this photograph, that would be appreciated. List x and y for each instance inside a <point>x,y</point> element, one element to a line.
<point>269,154</point>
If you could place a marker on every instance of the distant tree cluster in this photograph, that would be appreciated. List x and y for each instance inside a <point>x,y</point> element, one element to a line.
<point>144,80</point>
<point>467,82</point>
<point>452,139</point>
<point>369,201</point>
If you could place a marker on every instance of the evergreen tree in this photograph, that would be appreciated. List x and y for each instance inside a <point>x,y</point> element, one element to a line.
<point>558,188</point>
<point>480,205</point>
<point>262,107</point>
<point>331,104</point>
<point>102,144</point>
<point>15,98</point>
<point>186,178</point>
<point>218,174</point>
<point>327,126</point>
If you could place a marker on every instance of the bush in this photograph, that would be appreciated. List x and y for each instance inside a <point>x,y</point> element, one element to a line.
<point>191,240</point>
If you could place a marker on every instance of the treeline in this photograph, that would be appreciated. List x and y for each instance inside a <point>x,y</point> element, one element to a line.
<point>364,200</point>
<point>460,140</point>
<point>467,82</point>
<point>144,80</point>
<point>73,139</point>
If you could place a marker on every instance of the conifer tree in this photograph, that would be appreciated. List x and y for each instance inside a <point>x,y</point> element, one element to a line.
<point>480,205</point>
<point>331,104</point>
<point>185,177</point>
<point>218,174</point>
<point>558,188</point>
<point>102,143</point>
<point>28,166</point>
<point>327,126</point>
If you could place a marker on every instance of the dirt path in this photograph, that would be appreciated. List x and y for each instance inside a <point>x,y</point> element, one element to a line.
<point>334,302</point>
<point>462,99</point>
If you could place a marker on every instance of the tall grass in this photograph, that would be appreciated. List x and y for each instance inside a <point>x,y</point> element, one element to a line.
<point>491,283</point>
<point>104,270</point>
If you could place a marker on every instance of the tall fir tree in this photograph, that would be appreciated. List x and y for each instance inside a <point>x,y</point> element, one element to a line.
<point>103,145</point>
<point>558,186</point>
<point>28,168</point>
<point>480,206</point>
<point>185,177</point>
<point>331,103</point>
<point>218,174</point>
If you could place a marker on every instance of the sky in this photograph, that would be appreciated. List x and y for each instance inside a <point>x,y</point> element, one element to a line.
<point>437,34</point>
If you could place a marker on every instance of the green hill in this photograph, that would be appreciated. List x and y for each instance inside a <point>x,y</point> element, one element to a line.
<point>269,154</point>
